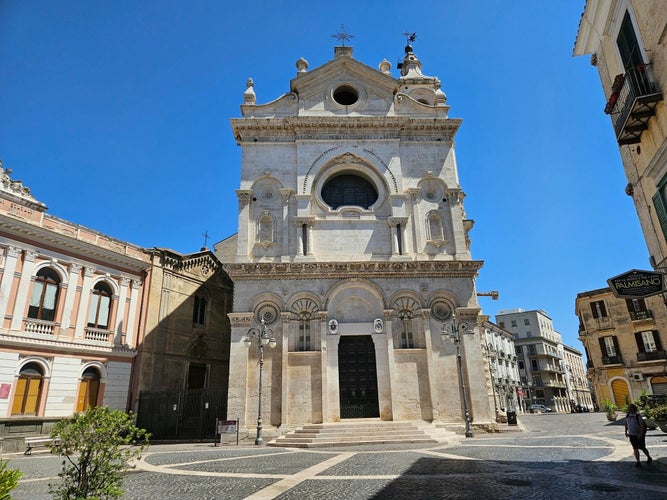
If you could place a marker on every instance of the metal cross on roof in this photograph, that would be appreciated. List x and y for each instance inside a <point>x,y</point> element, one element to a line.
<point>342,36</point>
<point>206,237</point>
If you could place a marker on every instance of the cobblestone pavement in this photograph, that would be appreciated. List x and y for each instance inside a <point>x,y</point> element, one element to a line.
<point>547,456</point>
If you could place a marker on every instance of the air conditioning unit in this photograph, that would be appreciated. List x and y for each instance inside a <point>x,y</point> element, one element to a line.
<point>638,376</point>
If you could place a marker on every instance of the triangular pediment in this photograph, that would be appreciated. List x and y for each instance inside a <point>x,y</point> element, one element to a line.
<point>364,90</point>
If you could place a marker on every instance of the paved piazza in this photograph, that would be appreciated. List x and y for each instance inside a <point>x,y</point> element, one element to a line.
<point>547,456</point>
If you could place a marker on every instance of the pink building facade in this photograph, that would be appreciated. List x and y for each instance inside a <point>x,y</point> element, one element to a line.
<point>70,308</point>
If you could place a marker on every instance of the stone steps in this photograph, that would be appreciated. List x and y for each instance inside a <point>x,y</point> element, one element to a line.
<point>361,432</point>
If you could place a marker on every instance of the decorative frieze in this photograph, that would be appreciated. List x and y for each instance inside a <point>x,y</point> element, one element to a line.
<point>310,270</point>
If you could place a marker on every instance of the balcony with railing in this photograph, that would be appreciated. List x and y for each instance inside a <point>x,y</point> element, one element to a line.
<point>39,326</point>
<point>651,356</point>
<point>98,335</point>
<point>612,360</point>
<point>641,315</point>
<point>632,103</point>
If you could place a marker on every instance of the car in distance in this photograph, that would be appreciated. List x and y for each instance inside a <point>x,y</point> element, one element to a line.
<point>539,409</point>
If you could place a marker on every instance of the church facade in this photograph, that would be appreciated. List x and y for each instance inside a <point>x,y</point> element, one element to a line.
<point>352,253</point>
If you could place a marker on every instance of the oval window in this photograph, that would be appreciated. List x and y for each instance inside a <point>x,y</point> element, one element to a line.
<point>349,190</point>
<point>346,95</point>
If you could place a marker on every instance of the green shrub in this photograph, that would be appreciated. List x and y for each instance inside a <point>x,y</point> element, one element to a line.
<point>98,446</point>
<point>608,406</point>
<point>9,479</point>
<point>659,413</point>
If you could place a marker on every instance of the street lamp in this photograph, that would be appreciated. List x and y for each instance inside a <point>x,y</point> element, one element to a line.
<point>263,336</point>
<point>454,329</point>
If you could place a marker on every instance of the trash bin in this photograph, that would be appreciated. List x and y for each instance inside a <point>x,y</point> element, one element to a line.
<point>511,417</point>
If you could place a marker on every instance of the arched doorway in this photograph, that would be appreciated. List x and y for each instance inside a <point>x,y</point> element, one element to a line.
<point>28,390</point>
<point>357,377</point>
<point>89,388</point>
<point>621,392</point>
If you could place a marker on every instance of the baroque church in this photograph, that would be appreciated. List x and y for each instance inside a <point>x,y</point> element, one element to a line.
<point>352,253</point>
<point>352,256</point>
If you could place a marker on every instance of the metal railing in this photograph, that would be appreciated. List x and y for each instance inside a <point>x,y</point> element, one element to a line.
<point>639,315</point>
<point>651,356</point>
<point>636,82</point>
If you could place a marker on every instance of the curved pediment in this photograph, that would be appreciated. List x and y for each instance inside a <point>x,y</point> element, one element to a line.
<point>285,105</point>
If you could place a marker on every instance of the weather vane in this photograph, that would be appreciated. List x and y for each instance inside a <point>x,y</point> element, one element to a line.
<point>342,36</point>
<point>409,37</point>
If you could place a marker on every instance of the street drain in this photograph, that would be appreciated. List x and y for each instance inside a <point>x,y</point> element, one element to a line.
<point>602,487</point>
<point>516,482</point>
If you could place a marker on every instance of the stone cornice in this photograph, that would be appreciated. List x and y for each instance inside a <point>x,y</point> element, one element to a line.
<point>325,270</point>
<point>24,340</point>
<point>103,249</point>
<point>335,127</point>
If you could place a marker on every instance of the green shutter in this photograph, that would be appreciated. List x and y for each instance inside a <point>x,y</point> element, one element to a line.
<point>661,211</point>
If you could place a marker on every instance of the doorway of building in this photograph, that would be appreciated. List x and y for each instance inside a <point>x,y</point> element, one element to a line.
<point>357,377</point>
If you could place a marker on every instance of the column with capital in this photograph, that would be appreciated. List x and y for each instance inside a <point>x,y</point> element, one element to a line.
<point>244,196</point>
<point>24,289</point>
<point>11,257</point>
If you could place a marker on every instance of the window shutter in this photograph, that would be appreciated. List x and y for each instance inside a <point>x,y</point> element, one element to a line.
<point>603,347</point>
<point>640,342</point>
<point>618,351</point>
<point>660,211</point>
<point>656,339</point>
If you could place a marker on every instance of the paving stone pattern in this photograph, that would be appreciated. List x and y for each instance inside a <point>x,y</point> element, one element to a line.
<point>547,457</point>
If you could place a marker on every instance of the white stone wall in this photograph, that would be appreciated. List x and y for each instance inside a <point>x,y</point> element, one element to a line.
<point>63,386</point>
<point>8,362</point>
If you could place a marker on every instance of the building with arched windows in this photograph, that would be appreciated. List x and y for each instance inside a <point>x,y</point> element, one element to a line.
<point>352,252</point>
<point>70,303</point>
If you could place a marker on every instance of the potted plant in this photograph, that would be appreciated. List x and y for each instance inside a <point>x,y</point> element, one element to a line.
<point>659,416</point>
<point>645,409</point>
<point>611,410</point>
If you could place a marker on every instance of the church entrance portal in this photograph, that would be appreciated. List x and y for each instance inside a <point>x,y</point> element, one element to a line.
<point>357,377</point>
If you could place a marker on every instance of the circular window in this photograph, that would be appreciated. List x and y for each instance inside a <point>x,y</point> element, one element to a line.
<point>349,190</point>
<point>441,310</point>
<point>268,312</point>
<point>346,95</point>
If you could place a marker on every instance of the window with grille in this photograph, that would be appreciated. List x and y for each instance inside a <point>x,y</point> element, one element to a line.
<point>349,190</point>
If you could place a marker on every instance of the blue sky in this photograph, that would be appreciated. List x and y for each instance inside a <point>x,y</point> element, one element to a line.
<point>116,115</point>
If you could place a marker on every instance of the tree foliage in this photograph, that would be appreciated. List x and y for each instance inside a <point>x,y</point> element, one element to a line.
<point>97,446</point>
<point>9,479</point>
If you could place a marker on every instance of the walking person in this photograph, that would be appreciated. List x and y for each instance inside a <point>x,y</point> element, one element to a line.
<point>635,429</point>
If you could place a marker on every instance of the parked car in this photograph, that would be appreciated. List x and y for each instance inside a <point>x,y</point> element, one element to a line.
<point>539,409</point>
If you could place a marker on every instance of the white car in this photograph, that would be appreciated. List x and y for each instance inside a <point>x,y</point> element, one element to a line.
<point>539,409</point>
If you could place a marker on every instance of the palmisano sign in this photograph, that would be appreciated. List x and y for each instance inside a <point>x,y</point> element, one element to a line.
<point>637,284</point>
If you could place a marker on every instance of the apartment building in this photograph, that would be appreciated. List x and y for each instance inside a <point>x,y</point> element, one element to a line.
<point>623,339</point>
<point>539,350</point>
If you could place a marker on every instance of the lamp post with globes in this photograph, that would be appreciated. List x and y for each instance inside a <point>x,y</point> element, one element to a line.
<point>263,336</point>
<point>453,330</point>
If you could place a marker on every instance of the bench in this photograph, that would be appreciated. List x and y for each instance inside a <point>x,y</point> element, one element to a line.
<point>34,441</point>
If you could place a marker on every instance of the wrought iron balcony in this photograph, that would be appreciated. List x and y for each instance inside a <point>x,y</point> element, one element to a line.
<point>651,356</point>
<point>612,360</point>
<point>640,315</point>
<point>632,103</point>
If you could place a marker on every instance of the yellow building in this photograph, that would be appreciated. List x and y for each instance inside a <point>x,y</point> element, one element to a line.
<point>624,341</point>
